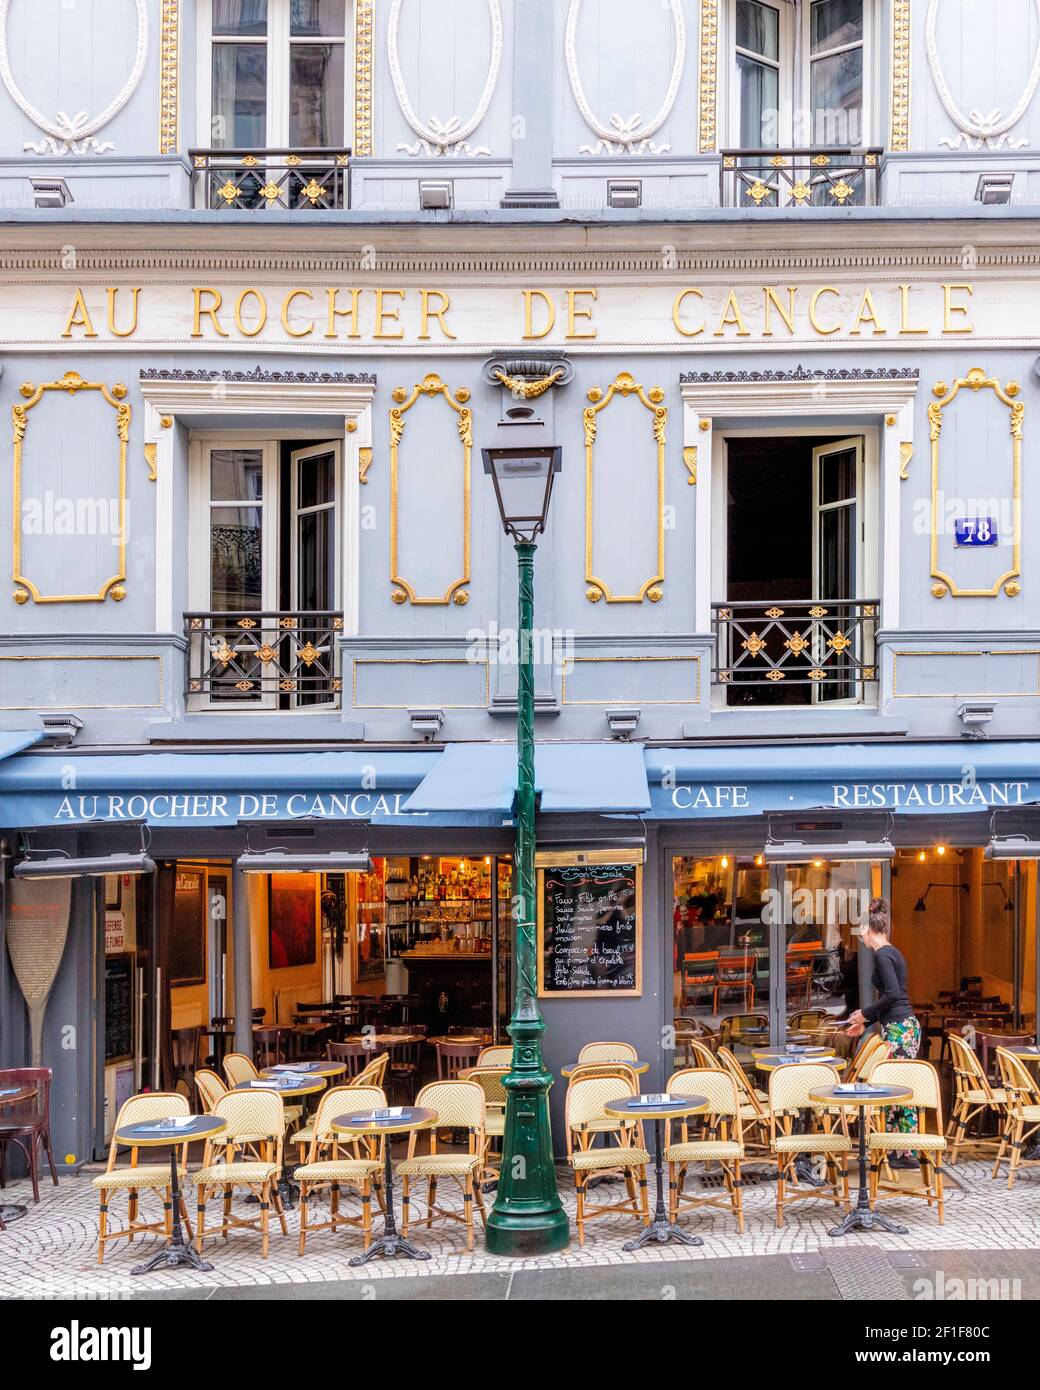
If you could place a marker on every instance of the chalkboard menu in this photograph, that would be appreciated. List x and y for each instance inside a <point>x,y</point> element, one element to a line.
<point>589,929</point>
<point>119,1008</point>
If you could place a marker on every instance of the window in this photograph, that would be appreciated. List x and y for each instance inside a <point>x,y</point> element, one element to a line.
<point>264,583</point>
<point>799,74</point>
<point>277,75</point>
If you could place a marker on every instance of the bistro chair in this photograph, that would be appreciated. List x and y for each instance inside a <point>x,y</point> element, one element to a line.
<point>239,1068</point>
<point>28,1124</point>
<point>325,1166</point>
<point>929,1143</point>
<point>270,1045</point>
<point>735,974</point>
<point>608,1052</point>
<point>789,1089</point>
<point>722,1143</point>
<point>459,1105</point>
<point>699,975</point>
<point>210,1088</point>
<point>989,1042</point>
<point>141,1177</point>
<point>806,1019</point>
<point>255,1119</point>
<point>1022,1120</point>
<point>453,1057</point>
<point>973,1099</point>
<point>404,1059</point>
<point>873,1050</point>
<point>628,1158</point>
<point>701,1053</point>
<point>374,1074</point>
<point>734,1028</point>
<point>497,1055</point>
<point>489,1079</point>
<point>186,1046</point>
<point>356,1056</point>
<point>754,1108</point>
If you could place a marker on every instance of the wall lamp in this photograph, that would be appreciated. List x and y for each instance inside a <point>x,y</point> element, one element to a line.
<point>57,863</point>
<point>1012,847</point>
<point>282,860</point>
<point>994,189</point>
<point>436,197</point>
<point>922,906</point>
<point>796,852</point>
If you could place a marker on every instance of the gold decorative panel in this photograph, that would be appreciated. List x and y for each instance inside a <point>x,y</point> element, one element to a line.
<point>945,395</point>
<point>624,385</point>
<point>899,136</point>
<point>71,383</point>
<point>364,19</point>
<point>432,386</point>
<point>169,63</point>
<point>709,64</point>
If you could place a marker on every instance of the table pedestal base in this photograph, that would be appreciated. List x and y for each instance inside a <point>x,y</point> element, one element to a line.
<point>12,1211</point>
<point>863,1219</point>
<point>172,1257</point>
<point>661,1231</point>
<point>391,1245</point>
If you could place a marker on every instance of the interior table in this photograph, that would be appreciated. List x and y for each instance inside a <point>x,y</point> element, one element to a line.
<point>658,1108</point>
<point>172,1135</point>
<point>401,1119</point>
<point>14,1095</point>
<point>863,1096</point>
<point>773,1061</point>
<point>326,1070</point>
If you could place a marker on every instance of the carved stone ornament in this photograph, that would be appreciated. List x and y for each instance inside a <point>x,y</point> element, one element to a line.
<point>978,130</point>
<point>443,137</point>
<point>624,135</point>
<point>75,134</point>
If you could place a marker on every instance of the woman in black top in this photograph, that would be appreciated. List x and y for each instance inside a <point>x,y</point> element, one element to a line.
<point>892,1012</point>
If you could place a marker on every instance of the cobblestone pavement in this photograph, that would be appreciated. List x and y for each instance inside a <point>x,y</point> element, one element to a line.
<point>52,1252</point>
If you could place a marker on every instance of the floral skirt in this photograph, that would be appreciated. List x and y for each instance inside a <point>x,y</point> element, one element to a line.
<point>904,1041</point>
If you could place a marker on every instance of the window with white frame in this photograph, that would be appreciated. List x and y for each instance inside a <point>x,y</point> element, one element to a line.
<point>275,73</point>
<point>800,73</point>
<point>264,585</point>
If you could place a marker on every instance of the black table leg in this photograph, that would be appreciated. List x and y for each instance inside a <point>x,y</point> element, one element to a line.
<point>660,1229</point>
<point>389,1243</point>
<point>178,1252</point>
<point>861,1218</point>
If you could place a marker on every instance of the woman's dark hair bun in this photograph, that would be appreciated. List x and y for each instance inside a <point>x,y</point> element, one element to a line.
<point>879,918</point>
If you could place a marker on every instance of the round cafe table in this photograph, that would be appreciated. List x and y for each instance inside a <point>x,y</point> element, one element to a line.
<point>326,1070</point>
<point>640,1068</point>
<point>172,1134</point>
<point>400,1119</point>
<point>15,1095</point>
<point>772,1061</point>
<point>813,1054</point>
<point>658,1108</point>
<point>863,1096</point>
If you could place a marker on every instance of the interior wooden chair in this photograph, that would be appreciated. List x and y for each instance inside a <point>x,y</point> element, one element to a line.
<point>27,1124</point>
<point>735,974</point>
<point>497,1055</point>
<point>699,972</point>
<point>355,1056</point>
<point>141,1177</point>
<point>333,1161</point>
<point>186,1050</point>
<point>210,1088</point>
<point>973,1099</point>
<point>789,1089</point>
<point>806,1019</point>
<point>628,1158</point>
<point>255,1119</point>
<point>459,1105</point>
<point>608,1052</point>
<point>798,967</point>
<point>734,1027</point>
<point>1022,1118</point>
<point>453,1057</point>
<point>929,1143</point>
<point>721,1143</point>
<point>271,1045</point>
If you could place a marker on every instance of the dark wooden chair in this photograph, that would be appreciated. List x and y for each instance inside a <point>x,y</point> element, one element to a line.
<point>186,1044</point>
<point>354,1055</point>
<point>453,1057</point>
<point>269,1046</point>
<point>28,1124</point>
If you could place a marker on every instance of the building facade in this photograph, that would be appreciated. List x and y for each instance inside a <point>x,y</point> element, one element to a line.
<point>272,274</point>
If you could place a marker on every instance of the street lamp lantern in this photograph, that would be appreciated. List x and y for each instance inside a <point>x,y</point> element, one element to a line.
<point>528,1217</point>
<point>522,463</point>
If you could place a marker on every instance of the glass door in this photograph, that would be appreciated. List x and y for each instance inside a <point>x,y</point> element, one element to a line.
<point>838,642</point>
<point>315,574</point>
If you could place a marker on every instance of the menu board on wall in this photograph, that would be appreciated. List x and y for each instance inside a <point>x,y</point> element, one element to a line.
<point>188,928</point>
<point>590,929</point>
<point>119,1008</point>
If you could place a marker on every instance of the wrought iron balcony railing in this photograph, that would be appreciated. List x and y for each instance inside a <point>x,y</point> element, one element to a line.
<point>825,648</point>
<point>822,178</point>
<point>262,179</point>
<point>275,660</point>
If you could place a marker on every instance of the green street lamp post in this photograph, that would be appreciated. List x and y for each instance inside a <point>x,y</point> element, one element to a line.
<point>528,1217</point>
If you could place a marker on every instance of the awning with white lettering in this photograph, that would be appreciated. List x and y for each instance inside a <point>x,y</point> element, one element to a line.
<point>906,778</point>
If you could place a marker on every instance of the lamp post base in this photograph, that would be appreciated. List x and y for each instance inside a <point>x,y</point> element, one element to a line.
<point>533,1231</point>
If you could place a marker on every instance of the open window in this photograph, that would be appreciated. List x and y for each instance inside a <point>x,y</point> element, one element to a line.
<point>796,618</point>
<point>264,583</point>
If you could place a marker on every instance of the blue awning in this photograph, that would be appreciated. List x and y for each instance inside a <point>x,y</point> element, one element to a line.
<point>609,778</point>
<point>906,778</point>
<point>16,740</point>
<point>174,789</point>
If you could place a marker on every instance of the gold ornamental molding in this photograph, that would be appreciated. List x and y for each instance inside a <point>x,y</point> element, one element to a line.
<point>364,458</point>
<point>899,135</point>
<point>151,458</point>
<point>708,76</point>
<point>169,64</point>
<point>432,386</point>
<point>529,390</point>
<point>364,19</point>
<point>977,380</point>
<point>624,385</point>
<point>906,454</point>
<point>72,383</point>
